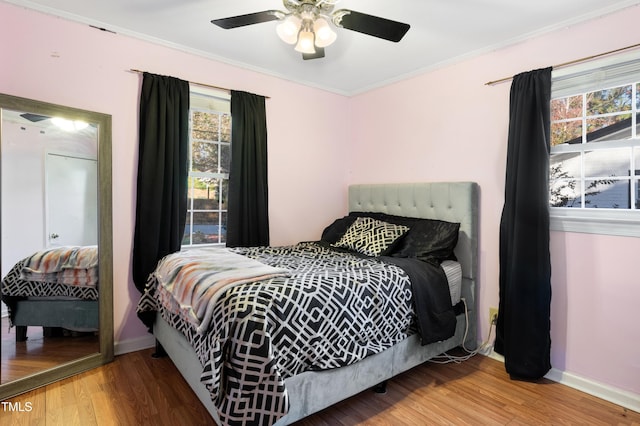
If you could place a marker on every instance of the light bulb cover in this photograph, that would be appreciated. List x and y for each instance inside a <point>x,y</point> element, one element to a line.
<point>69,125</point>
<point>306,42</point>
<point>288,29</point>
<point>80,125</point>
<point>325,36</point>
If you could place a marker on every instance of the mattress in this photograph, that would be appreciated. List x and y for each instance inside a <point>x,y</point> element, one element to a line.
<point>453,271</point>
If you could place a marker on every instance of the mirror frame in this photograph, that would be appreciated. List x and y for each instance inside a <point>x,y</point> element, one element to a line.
<point>105,245</point>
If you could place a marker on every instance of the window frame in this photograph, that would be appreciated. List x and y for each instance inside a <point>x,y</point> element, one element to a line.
<point>578,80</point>
<point>216,102</point>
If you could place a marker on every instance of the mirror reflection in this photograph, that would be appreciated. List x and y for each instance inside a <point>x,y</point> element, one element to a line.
<point>49,247</point>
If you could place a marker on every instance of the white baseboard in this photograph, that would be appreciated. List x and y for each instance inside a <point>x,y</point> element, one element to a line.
<point>617,396</point>
<point>495,355</point>
<point>132,345</point>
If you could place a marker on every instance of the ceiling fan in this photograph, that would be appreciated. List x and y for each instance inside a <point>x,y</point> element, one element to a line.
<point>305,24</point>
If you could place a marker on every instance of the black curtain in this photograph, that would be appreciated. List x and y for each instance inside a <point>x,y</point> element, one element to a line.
<point>523,327</point>
<point>163,161</point>
<point>248,206</point>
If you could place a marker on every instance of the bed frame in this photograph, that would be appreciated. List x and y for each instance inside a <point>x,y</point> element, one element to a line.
<point>53,314</point>
<point>312,391</point>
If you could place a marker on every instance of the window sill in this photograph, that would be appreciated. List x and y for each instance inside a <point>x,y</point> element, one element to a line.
<point>605,222</point>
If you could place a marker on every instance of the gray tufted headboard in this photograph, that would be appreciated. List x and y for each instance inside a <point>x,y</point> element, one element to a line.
<point>450,201</point>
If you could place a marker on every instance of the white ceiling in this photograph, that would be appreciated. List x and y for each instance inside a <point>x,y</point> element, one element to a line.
<point>442,32</point>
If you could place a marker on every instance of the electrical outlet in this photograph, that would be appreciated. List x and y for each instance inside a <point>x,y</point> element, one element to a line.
<point>493,315</point>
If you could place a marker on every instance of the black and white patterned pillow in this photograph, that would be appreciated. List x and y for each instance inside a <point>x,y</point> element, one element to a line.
<point>370,237</point>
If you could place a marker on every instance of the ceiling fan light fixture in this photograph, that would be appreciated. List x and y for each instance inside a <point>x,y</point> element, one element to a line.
<point>325,36</point>
<point>288,29</point>
<point>69,125</point>
<point>308,24</point>
<point>306,42</point>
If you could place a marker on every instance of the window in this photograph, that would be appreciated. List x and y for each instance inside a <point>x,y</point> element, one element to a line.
<point>594,174</point>
<point>210,154</point>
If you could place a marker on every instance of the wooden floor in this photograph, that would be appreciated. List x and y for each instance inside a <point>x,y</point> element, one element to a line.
<point>20,359</point>
<point>138,390</point>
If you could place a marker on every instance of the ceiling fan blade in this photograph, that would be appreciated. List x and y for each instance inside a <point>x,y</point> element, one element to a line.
<point>248,19</point>
<point>34,118</point>
<point>371,25</point>
<point>319,54</point>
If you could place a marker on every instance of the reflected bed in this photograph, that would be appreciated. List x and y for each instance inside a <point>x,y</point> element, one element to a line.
<point>54,288</point>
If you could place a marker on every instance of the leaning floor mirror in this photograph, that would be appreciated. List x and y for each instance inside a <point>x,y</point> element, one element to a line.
<point>56,243</point>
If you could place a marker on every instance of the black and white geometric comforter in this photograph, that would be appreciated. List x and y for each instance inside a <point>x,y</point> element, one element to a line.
<point>334,308</point>
<point>14,288</point>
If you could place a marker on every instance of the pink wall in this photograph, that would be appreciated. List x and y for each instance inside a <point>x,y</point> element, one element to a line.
<point>443,125</point>
<point>57,61</point>
<point>448,125</point>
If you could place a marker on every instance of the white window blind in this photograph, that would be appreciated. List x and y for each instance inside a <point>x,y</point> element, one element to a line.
<point>594,75</point>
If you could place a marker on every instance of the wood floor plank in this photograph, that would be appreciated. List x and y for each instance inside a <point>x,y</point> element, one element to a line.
<point>137,389</point>
<point>20,359</point>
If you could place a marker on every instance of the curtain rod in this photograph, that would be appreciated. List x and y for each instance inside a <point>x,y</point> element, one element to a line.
<point>199,84</point>
<point>575,61</point>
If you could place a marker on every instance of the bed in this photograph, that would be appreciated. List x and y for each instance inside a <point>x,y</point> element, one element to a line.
<point>299,392</point>
<point>56,289</point>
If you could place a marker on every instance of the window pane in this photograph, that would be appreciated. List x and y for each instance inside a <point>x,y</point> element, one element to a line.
<point>607,163</point>
<point>565,193</point>
<point>205,125</point>
<point>564,108</point>
<point>205,194</point>
<point>190,194</point>
<point>636,160</point>
<point>607,194</point>
<point>609,128</point>
<point>566,165</point>
<point>224,191</point>
<point>609,100</point>
<point>225,158</point>
<point>566,132</point>
<point>225,130</point>
<point>186,239</point>
<point>223,227</point>
<point>205,227</point>
<point>204,157</point>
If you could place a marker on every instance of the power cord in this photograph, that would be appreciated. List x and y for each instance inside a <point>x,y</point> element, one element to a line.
<point>484,348</point>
